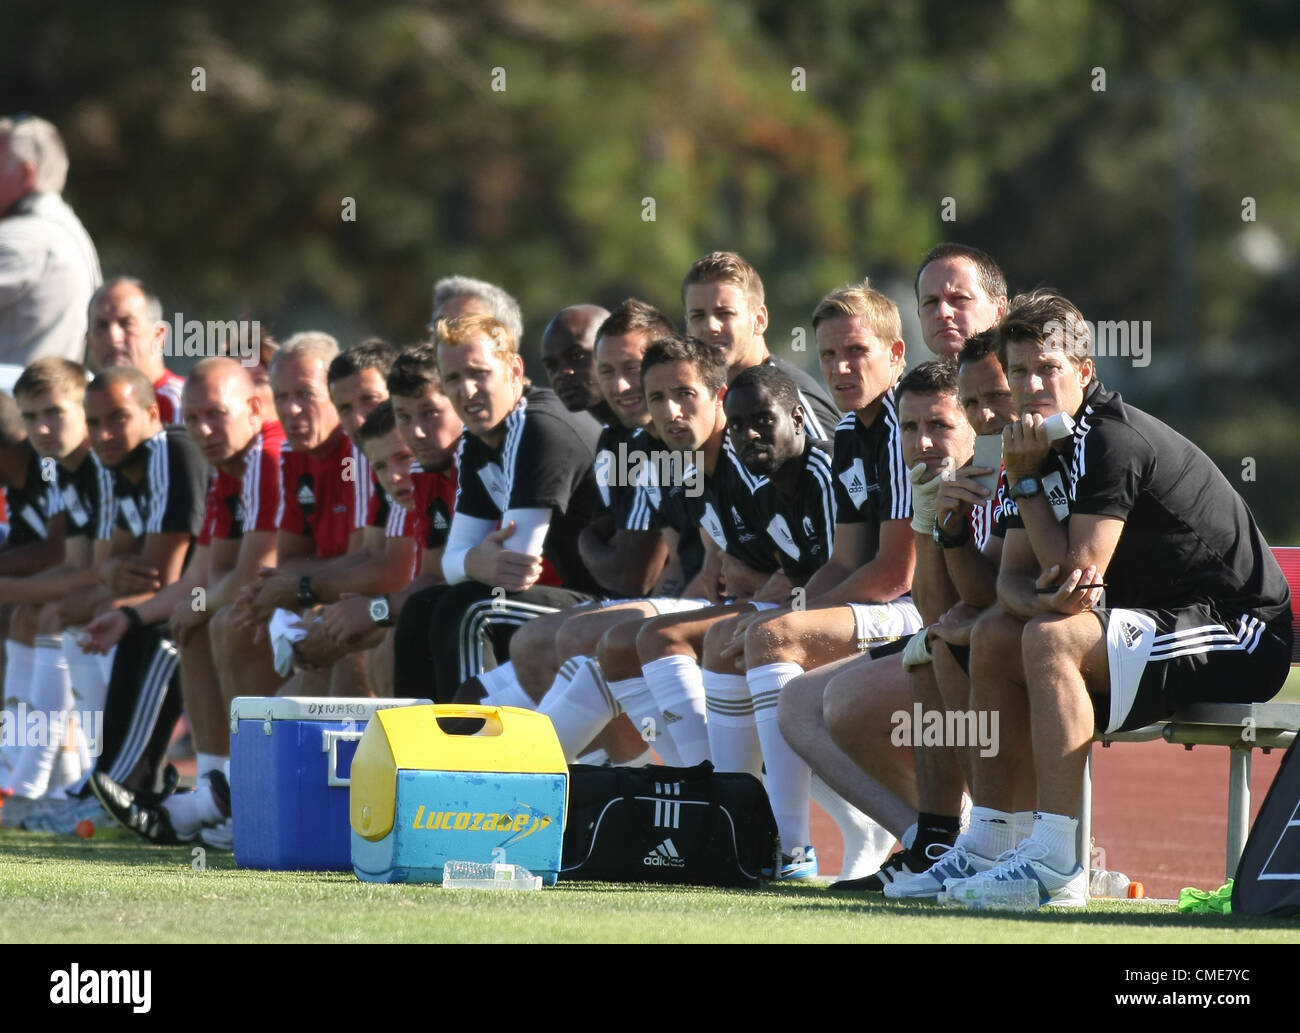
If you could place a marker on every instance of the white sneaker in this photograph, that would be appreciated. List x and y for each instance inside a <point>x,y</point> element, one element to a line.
<point>1055,889</point>
<point>963,818</point>
<point>951,863</point>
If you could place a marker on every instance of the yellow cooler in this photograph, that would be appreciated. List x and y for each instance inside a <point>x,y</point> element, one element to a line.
<point>422,796</point>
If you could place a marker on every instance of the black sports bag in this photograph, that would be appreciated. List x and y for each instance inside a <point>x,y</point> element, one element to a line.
<point>673,825</point>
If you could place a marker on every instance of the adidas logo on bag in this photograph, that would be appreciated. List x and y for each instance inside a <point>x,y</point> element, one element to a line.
<point>665,855</point>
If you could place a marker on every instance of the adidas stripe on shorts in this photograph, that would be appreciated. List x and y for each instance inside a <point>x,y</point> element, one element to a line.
<point>1161,659</point>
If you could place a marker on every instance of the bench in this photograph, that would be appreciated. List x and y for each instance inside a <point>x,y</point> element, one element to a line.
<point>1242,727</point>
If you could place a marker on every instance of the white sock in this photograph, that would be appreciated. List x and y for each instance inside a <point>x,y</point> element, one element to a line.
<point>19,658</point>
<point>89,673</point>
<point>733,736</point>
<point>503,688</point>
<point>633,695</point>
<point>1024,823</point>
<point>581,709</point>
<point>191,811</point>
<point>867,845</point>
<point>789,779</point>
<point>67,770</point>
<point>1056,833</point>
<point>42,739</point>
<point>991,832</point>
<point>677,685</point>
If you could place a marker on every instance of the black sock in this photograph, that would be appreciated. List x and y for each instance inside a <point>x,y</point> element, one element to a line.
<point>932,828</point>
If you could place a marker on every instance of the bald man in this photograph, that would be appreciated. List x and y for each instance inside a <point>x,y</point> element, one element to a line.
<point>126,328</point>
<point>569,358</point>
<point>225,414</point>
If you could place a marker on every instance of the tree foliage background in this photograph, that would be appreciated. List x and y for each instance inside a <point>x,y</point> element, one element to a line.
<point>1129,198</point>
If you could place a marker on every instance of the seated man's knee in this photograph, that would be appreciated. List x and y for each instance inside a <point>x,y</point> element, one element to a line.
<point>770,639</point>
<point>995,641</point>
<point>654,638</point>
<point>581,631</point>
<point>533,639</point>
<point>49,621</point>
<point>617,650</point>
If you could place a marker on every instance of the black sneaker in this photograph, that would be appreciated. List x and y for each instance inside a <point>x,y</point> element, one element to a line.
<point>140,812</point>
<point>897,867</point>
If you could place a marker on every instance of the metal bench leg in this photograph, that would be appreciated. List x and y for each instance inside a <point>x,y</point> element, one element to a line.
<point>1238,805</point>
<point>1083,845</point>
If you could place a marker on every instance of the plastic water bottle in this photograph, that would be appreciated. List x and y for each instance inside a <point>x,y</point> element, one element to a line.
<point>1000,895</point>
<point>480,875</point>
<point>1104,883</point>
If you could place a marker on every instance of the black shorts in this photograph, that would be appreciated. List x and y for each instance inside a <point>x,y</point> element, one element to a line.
<point>962,655</point>
<point>1162,659</point>
<point>889,648</point>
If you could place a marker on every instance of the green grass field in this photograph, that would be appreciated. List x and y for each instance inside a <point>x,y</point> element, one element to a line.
<point>114,889</point>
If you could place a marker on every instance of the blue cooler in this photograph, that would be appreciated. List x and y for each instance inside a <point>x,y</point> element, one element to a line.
<point>290,759</point>
<point>422,797</point>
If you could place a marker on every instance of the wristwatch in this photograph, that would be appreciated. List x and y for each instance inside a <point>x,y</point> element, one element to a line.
<point>379,612</point>
<point>952,541</point>
<point>1026,488</point>
<point>306,597</point>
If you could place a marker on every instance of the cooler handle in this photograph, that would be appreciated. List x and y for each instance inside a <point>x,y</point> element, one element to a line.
<point>329,743</point>
<point>494,720</point>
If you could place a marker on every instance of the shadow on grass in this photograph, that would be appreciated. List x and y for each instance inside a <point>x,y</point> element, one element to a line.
<point>1163,918</point>
<point>815,897</point>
